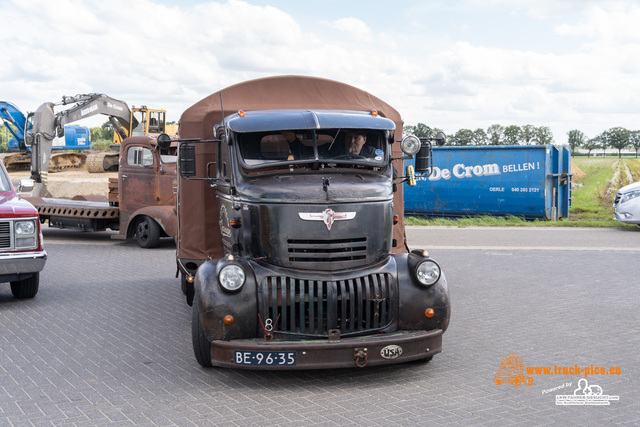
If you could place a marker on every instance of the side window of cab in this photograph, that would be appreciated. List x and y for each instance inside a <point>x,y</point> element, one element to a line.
<point>139,156</point>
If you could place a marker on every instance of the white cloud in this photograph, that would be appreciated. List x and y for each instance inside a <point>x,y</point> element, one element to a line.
<point>354,27</point>
<point>170,57</point>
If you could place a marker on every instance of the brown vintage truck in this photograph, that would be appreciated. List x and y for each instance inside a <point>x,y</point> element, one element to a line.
<point>291,243</point>
<point>141,202</point>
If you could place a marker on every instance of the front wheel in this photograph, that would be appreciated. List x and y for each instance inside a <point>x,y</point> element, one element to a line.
<point>147,233</point>
<point>201,345</point>
<point>26,288</point>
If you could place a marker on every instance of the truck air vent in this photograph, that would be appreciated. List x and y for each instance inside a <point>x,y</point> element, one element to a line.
<point>5,235</point>
<point>313,307</point>
<point>328,254</point>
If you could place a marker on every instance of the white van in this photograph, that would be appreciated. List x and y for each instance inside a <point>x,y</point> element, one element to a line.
<point>626,205</point>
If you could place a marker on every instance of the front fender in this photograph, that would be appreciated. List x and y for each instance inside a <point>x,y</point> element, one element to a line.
<point>165,216</point>
<point>415,299</point>
<point>215,303</point>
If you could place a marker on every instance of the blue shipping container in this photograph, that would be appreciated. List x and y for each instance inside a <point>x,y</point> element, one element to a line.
<point>529,181</point>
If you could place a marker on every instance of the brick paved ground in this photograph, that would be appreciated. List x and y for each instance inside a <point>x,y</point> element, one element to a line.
<point>107,341</point>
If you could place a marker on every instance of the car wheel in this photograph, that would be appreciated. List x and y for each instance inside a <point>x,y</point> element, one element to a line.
<point>147,233</point>
<point>26,288</point>
<point>201,345</point>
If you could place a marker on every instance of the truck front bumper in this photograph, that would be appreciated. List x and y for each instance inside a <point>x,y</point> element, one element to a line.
<point>21,263</point>
<point>372,350</point>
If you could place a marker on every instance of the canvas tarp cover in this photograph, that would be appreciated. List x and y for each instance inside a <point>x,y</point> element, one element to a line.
<point>199,234</point>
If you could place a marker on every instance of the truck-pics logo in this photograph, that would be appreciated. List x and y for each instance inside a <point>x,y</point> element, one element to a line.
<point>329,216</point>
<point>511,371</point>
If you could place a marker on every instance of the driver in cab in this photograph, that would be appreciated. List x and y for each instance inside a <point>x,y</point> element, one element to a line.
<point>354,144</point>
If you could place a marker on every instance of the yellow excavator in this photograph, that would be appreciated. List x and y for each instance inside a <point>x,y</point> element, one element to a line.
<point>141,121</point>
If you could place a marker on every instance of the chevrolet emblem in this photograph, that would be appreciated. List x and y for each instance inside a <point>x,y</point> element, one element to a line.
<point>328,216</point>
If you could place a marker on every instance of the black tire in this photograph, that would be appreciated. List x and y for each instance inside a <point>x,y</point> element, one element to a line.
<point>147,233</point>
<point>201,345</point>
<point>26,288</point>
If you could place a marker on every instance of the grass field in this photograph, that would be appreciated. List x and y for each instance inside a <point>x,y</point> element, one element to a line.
<point>595,183</point>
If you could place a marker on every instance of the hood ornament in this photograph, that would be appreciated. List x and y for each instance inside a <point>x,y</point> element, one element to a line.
<point>329,216</point>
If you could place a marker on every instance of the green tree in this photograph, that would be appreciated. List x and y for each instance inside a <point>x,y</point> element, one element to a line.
<point>543,135</point>
<point>494,132</point>
<point>4,138</point>
<point>592,144</point>
<point>634,140</point>
<point>576,138</point>
<point>480,137</point>
<point>511,135</point>
<point>617,138</point>
<point>462,137</point>
<point>103,133</point>
<point>420,130</point>
<point>528,134</point>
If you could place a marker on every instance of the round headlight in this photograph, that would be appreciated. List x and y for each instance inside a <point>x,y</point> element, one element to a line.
<point>410,145</point>
<point>231,277</point>
<point>25,227</point>
<point>428,272</point>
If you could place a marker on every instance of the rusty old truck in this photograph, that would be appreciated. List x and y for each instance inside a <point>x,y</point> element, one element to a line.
<point>291,241</point>
<point>141,203</point>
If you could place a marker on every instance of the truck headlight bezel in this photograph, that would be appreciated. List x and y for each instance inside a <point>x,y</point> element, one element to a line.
<point>25,227</point>
<point>428,272</point>
<point>25,234</point>
<point>232,277</point>
<point>410,145</point>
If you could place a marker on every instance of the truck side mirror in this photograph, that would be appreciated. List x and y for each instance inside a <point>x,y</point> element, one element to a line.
<point>164,141</point>
<point>25,185</point>
<point>187,160</point>
<point>441,139</point>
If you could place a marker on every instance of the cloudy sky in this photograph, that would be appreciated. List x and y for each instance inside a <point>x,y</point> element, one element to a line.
<point>451,64</point>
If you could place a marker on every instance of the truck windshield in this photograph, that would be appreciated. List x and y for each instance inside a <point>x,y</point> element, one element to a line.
<point>329,147</point>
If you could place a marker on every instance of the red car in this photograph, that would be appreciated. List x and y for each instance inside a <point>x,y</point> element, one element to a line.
<point>22,254</point>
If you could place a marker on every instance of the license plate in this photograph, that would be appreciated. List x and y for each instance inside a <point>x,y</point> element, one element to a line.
<point>266,358</point>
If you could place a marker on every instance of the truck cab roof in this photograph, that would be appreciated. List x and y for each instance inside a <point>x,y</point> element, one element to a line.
<point>273,120</point>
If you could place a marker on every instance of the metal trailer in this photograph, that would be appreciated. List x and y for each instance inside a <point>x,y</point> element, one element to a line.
<point>528,181</point>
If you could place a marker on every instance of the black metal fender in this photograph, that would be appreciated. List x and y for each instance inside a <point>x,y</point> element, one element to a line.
<point>415,298</point>
<point>216,303</point>
<point>165,216</point>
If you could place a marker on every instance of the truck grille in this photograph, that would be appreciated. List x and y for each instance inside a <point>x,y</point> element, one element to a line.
<point>313,307</point>
<point>328,254</point>
<point>5,234</point>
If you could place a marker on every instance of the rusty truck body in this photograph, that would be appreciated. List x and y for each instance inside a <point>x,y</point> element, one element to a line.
<point>141,203</point>
<point>291,250</point>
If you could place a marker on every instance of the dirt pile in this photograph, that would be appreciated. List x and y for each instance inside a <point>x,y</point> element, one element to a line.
<point>72,182</point>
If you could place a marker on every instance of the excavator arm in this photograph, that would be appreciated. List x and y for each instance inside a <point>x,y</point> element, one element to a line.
<point>45,124</point>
